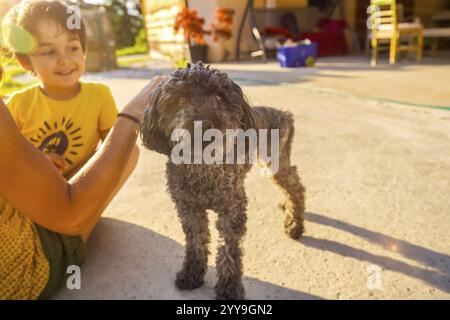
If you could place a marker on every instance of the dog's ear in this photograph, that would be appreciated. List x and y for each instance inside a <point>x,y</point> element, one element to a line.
<point>236,98</point>
<point>250,118</point>
<point>152,136</point>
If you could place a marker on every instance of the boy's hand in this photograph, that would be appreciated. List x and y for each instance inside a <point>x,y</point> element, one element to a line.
<point>57,160</point>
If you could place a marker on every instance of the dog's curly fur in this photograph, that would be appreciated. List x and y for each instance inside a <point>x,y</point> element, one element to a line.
<point>198,93</point>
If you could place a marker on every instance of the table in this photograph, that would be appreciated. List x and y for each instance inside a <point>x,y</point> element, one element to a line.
<point>442,29</point>
<point>435,34</point>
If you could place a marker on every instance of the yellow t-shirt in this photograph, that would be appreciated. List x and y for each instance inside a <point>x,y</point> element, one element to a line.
<point>70,128</point>
<point>24,269</point>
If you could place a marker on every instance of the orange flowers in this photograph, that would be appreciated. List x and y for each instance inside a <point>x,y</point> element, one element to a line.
<point>221,24</point>
<point>192,25</point>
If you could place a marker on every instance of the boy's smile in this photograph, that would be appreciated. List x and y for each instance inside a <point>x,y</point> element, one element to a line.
<point>59,60</point>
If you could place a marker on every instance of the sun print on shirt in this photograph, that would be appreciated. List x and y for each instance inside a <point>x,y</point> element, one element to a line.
<point>61,138</point>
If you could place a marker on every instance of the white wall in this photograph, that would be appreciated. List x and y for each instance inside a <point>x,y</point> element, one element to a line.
<point>206,9</point>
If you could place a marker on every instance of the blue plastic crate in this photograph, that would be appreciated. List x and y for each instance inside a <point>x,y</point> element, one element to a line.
<point>298,56</point>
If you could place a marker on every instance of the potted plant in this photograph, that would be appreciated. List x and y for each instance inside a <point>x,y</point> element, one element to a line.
<point>221,28</point>
<point>192,26</point>
<point>194,32</point>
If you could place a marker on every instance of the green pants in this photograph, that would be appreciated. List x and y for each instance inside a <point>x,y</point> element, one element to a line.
<point>61,252</point>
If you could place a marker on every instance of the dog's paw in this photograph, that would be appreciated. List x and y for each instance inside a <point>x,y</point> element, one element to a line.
<point>185,281</point>
<point>293,229</point>
<point>230,291</point>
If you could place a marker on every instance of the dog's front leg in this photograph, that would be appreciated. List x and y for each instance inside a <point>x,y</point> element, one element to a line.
<point>195,226</point>
<point>231,224</point>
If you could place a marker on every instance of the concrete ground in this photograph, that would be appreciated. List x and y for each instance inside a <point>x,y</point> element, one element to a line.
<point>374,155</point>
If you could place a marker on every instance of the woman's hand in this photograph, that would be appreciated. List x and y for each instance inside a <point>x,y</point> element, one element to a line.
<point>137,105</point>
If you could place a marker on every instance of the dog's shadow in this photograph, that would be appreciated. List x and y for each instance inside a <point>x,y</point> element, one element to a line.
<point>127,261</point>
<point>434,269</point>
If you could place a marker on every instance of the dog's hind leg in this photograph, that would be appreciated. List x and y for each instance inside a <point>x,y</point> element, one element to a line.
<point>231,224</point>
<point>195,226</point>
<point>288,180</point>
<point>294,201</point>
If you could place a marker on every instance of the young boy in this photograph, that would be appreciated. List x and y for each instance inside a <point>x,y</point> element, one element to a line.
<point>62,116</point>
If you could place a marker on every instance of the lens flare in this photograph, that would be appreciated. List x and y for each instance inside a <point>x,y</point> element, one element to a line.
<point>18,40</point>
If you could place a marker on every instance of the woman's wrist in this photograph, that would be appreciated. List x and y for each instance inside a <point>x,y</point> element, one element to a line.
<point>129,117</point>
<point>133,111</point>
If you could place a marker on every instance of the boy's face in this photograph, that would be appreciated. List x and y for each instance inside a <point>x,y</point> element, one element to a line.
<point>59,60</point>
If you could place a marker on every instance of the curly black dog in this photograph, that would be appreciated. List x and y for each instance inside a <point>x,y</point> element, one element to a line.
<point>198,93</point>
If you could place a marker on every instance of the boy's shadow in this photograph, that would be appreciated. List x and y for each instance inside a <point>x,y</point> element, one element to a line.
<point>436,265</point>
<point>127,261</point>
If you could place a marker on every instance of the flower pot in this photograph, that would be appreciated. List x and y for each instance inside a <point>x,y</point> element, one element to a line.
<point>198,53</point>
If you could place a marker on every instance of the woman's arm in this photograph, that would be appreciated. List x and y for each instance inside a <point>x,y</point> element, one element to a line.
<point>74,171</point>
<point>31,184</point>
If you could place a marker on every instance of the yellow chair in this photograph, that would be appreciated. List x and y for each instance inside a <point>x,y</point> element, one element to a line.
<point>385,26</point>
